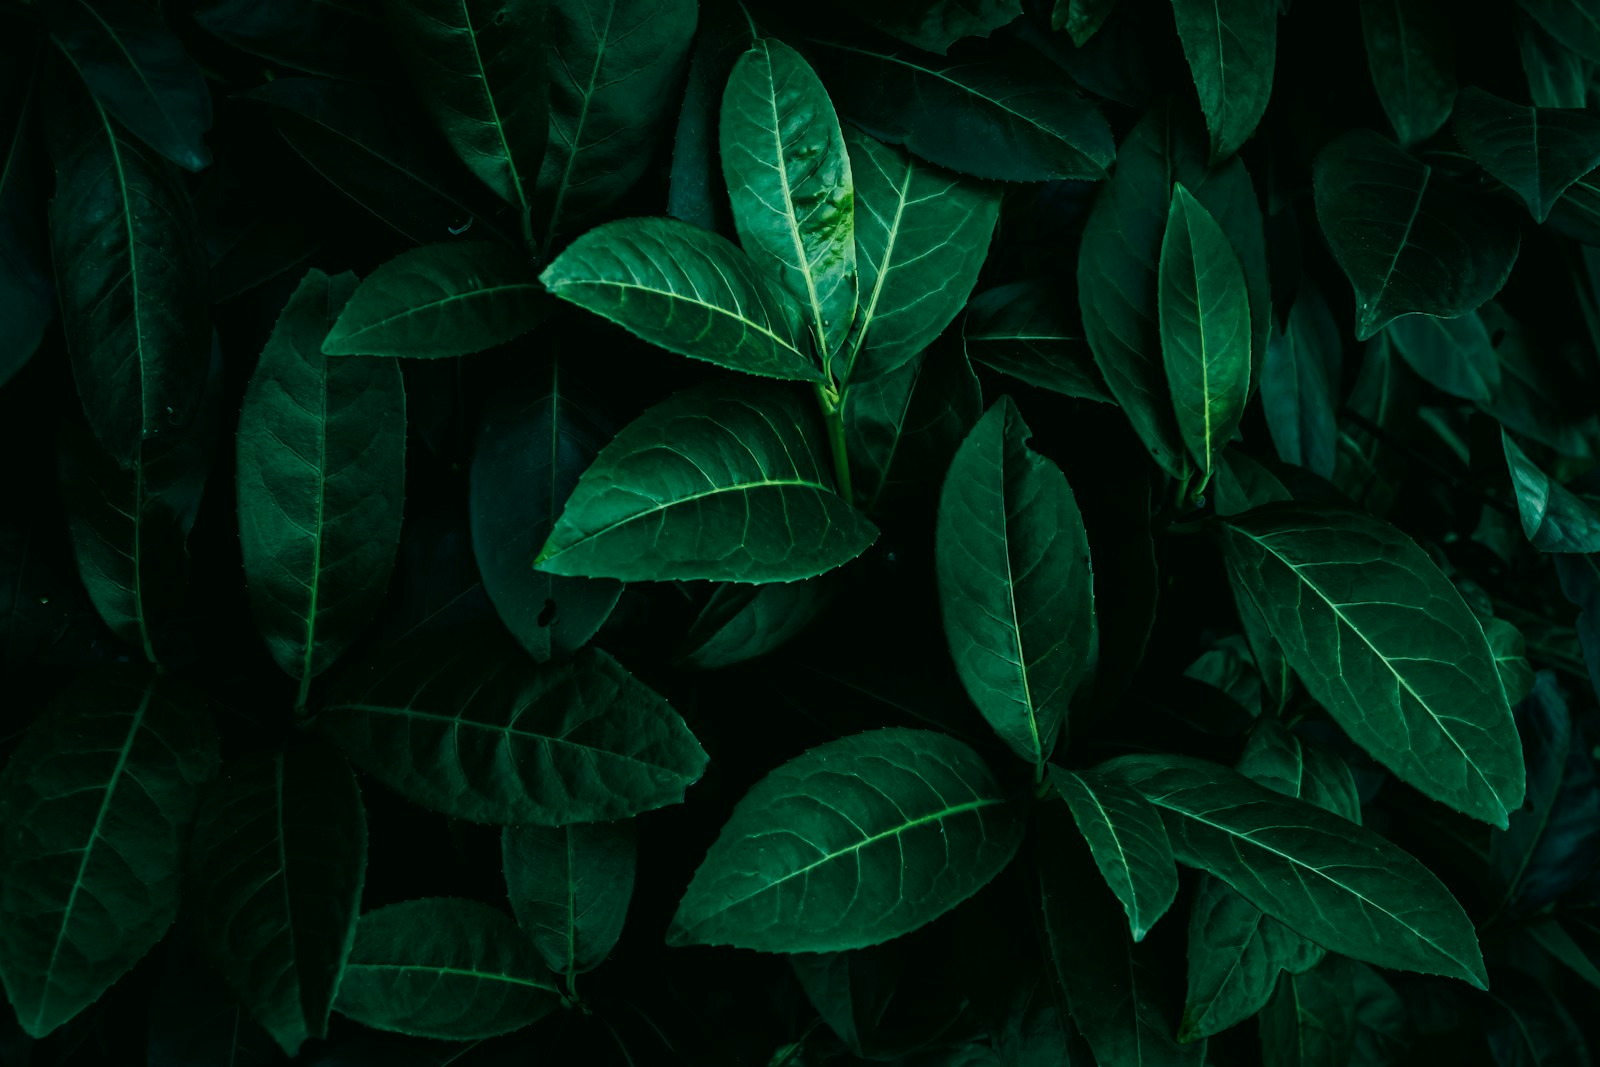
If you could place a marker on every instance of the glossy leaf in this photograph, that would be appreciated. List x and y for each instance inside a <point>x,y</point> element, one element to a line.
<point>321,484</point>
<point>1128,843</point>
<point>1231,46</point>
<point>728,482</point>
<point>280,856</point>
<point>96,802</point>
<point>1015,587</point>
<point>27,290</point>
<point>444,968</point>
<point>1311,1019</point>
<point>1383,641</point>
<point>1412,59</point>
<point>1022,329</point>
<point>921,234</point>
<point>1409,240</point>
<point>464,725</point>
<point>789,178</point>
<point>689,291</point>
<point>1455,355</point>
<point>569,889</point>
<point>1321,875</point>
<point>742,622</point>
<point>856,841</point>
<point>1300,385</point>
<point>1554,518</point>
<point>1536,152</point>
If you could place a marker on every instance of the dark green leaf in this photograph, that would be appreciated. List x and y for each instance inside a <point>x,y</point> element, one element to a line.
<point>1556,75</point>
<point>1553,937</point>
<point>1575,23</point>
<point>465,725</point>
<point>1024,329</point>
<point>1231,46</point>
<point>27,291</point>
<point>1539,398</point>
<point>741,622</point>
<point>1015,586</point>
<point>1081,18</point>
<point>314,36</point>
<point>936,25</point>
<point>1554,518</point>
<point>1408,239</point>
<point>280,855</point>
<point>1383,1024</point>
<point>321,484</point>
<point>1536,152</point>
<point>96,803</point>
<point>569,889</point>
<point>1412,59</point>
<point>1243,483</point>
<point>689,291</point>
<point>728,482</point>
<point>445,968</point>
<point>855,842</point>
<point>1382,640</point>
<point>1528,1027</point>
<point>695,190</point>
<point>1300,383</point>
<point>1128,843</point>
<point>1510,651</point>
<point>1454,355</point>
<point>1311,1019</point>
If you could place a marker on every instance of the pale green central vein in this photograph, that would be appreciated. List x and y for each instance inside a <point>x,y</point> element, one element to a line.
<point>494,108</point>
<point>444,301</point>
<point>878,283</point>
<point>749,324</point>
<point>789,212</point>
<point>577,130</point>
<point>737,487</point>
<point>454,972</point>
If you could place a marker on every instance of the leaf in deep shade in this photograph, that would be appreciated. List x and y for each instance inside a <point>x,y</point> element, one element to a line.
<point>1536,151</point>
<point>27,290</point>
<point>1023,329</point>
<point>1412,60</point>
<point>1554,518</point>
<point>1300,383</point>
<point>1128,843</point>
<point>569,889</point>
<point>1231,46</point>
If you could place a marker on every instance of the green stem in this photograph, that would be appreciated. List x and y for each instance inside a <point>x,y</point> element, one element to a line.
<point>832,405</point>
<point>300,714</point>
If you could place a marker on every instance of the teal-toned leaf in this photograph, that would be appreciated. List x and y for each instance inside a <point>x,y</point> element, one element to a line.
<point>1554,518</point>
<point>27,289</point>
<point>1311,1019</point>
<point>856,841</point>
<point>1455,355</point>
<point>1383,1023</point>
<point>1554,938</point>
<point>1381,638</point>
<point>1243,483</point>
<point>1081,18</point>
<point>938,24</point>
<point>1527,1026</point>
<point>1006,114</point>
<point>280,855</point>
<point>729,481</point>
<point>444,968</point>
<point>1023,329</point>
<point>741,622</point>
<point>569,888</point>
<point>1321,875</point>
<point>789,178</point>
<point>1231,46</point>
<point>536,440</point>
<point>1510,651</point>
<point>139,74</point>
<point>695,189</point>
<point>614,70</point>
<point>438,301</point>
<point>1281,761</point>
<point>1409,240</point>
<point>1412,60</point>
<point>465,725</point>
<point>1575,23</point>
<point>921,234</point>
<point>689,291</point>
<point>321,484</point>
<point>334,40</point>
<point>1016,590</point>
<point>1536,152</point>
<point>1300,384</point>
<point>1204,312</point>
<point>1556,75</point>
<point>96,802</point>
<point>1128,843</point>
<point>1539,397</point>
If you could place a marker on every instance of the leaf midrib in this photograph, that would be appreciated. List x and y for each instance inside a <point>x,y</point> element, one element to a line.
<point>454,972</point>
<point>427,306</point>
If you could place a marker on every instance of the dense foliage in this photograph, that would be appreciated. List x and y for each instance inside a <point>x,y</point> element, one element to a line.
<point>952,533</point>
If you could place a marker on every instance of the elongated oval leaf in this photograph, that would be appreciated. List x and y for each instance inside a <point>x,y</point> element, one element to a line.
<point>741,622</point>
<point>1412,61</point>
<point>1408,239</point>
<point>1575,23</point>
<point>1015,587</point>
<point>938,24</point>
<point>1554,518</point>
<point>1300,384</point>
<point>1231,46</point>
<point>321,482</point>
<point>445,968</point>
<point>439,301</point>
<point>1023,329</point>
<point>1536,152</point>
<point>1128,843</point>
<point>1453,355</point>
<point>464,724</point>
<point>1311,1019</point>
<point>570,888</point>
<point>852,843</point>
<point>689,291</point>
<point>280,855</point>
<point>1556,75</point>
<point>729,482</point>
<point>1323,876</point>
<point>96,803</point>
<point>1381,638</point>
<point>788,175</point>
<point>27,290</point>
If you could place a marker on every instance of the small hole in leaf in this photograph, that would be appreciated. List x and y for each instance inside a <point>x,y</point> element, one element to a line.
<point>548,615</point>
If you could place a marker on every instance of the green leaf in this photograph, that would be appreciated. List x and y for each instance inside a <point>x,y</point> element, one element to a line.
<point>321,484</point>
<point>729,481</point>
<point>1243,483</point>
<point>1453,355</point>
<point>131,274</point>
<point>1231,46</point>
<point>615,67</point>
<point>1556,75</point>
<point>1205,329</point>
<point>936,25</point>
<point>1383,1023</point>
<point>27,289</point>
<point>1015,587</point>
<point>1382,640</point>
<point>1553,937</point>
<point>789,178</point>
<point>1128,843</point>
<point>1321,875</point>
<point>1081,18</point>
<point>569,889</point>
<point>1536,152</point>
<point>1539,398</point>
<point>1412,59</point>
<point>1300,384</point>
<point>856,841</point>
<point>1527,1025</point>
<point>334,40</point>
<point>280,855</point>
<point>1282,762</point>
<point>741,622</point>
<point>1409,240</point>
<point>476,65</point>
<point>139,73</point>
<point>921,235</point>
<point>465,725</point>
<point>438,301</point>
<point>1554,518</point>
<point>445,968</point>
<point>1575,23</point>
<point>96,802</point>
<point>539,438</point>
<point>1023,329</point>
<point>1006,114</point>
<point>1311,1019</point>
<point>689,291</point>
<point>1510,651</point>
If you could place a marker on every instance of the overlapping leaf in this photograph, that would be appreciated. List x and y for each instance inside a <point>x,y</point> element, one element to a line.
<point>1232,46</point>
<point>1311,1019</point>
<point>27,291</point>
<point>569,889</point>
<point>741,622</point>
<point>1128,843</point>
<point>1554,518</point>
<point>1453,355</point>
<point>1412,60</point>
<point>1300,384</point>
<point>1023,329</point>
<point>1536,151</point>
